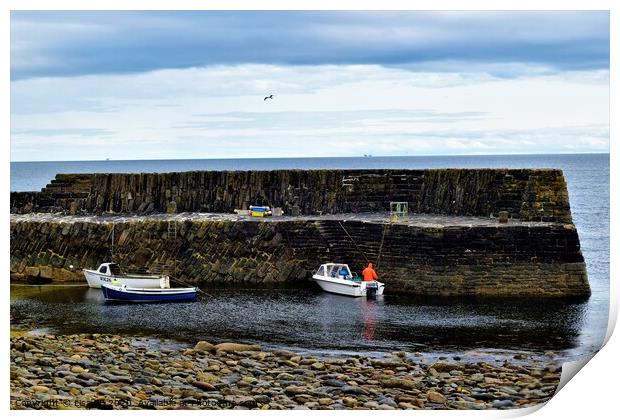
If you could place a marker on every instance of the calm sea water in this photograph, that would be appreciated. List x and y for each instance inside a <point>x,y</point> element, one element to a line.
<point>310,319</point>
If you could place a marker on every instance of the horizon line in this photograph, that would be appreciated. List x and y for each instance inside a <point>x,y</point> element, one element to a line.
<point>319,157</point>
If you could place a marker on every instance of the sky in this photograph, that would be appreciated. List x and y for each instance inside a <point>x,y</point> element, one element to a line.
<point>191,84</point>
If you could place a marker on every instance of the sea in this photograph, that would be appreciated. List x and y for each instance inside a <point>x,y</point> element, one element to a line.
<point>309,320</point>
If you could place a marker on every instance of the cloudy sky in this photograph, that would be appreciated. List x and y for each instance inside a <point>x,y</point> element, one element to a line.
<point>164,85</point>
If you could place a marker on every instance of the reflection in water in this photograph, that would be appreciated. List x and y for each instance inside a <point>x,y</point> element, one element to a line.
<point>368,315</point>
<point>314,320</point>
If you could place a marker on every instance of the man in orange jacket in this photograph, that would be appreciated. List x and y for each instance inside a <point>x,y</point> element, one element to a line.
<point>369,273</point>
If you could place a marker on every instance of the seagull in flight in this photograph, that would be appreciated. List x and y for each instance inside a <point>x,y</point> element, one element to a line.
<point>268,97</point>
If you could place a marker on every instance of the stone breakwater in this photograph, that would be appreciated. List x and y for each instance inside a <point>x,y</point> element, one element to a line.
<point>526,194</point>
<point>110,371</point>
<point>451,243</point>
<point>422,254</point>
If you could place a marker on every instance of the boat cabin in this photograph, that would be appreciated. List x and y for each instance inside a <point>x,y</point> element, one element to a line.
<point>109,269</point>
<point>337,271</point>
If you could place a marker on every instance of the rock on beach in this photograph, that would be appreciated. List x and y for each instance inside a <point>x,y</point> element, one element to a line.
<point>54,372</point>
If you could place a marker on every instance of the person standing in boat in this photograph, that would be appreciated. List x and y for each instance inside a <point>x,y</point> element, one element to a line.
<point>369,273</point>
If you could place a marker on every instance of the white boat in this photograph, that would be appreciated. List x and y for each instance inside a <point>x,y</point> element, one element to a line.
<point>109,272</point>
<point>338,278</point>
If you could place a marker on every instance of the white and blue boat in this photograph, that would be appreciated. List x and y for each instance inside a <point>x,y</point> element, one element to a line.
<point>125,293</point>
<point>338,279</point>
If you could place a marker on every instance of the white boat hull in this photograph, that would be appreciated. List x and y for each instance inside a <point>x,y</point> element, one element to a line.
<point>346,287</point>
<point>95,279</point>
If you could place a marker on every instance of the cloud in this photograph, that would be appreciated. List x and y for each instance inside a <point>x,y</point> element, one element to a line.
<point>106,93</point>
<point>242,87</point>
<point>51,44</point>
<point>55,132</point>
<point>331,110</point>
<point>319,120</point>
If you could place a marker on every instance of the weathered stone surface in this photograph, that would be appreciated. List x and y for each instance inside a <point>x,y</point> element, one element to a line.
<point>389,382</point>
<point>444,367</point>
<point>526,194</point>
<point>418,257</point>
<point>205,386</point>
<point>204,346</point>
<point>435,397</point>
<point>230,347</point>
<point>476,257</point>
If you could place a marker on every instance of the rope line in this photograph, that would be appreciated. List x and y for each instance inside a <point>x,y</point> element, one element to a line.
<point>385,229</point>
<point>189,285</point>
<point>354,243</point>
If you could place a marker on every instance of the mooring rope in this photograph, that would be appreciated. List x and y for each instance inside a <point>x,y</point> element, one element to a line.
<point>385,228</point>
<point>189,285</point>
<point>112,247</point>
<point>354,243</point>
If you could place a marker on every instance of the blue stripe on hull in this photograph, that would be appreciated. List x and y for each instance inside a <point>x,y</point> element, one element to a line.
<point>111,294</point>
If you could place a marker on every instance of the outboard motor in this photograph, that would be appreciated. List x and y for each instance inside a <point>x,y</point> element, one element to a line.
<point>371,289</point>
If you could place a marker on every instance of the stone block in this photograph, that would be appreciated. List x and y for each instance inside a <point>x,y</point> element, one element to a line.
<point>32,271</point>
<point>46,272</point>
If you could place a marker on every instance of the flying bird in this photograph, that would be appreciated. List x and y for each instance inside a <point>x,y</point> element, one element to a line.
<point>268,97</point>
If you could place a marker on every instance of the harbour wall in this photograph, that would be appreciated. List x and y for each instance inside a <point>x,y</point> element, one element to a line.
<point>524,260</point>
<point>68,226</point>
<point>526,194</point>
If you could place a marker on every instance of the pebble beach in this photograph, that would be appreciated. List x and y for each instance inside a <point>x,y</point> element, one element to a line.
<point>104,371</point>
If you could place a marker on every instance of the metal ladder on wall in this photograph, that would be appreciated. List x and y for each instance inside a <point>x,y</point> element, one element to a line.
<point>172,236</point>
<point>399,210</point>
<point>159,266</point>
<point>171,270</point>
<point>172,229</point>
<point>162,268</point>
